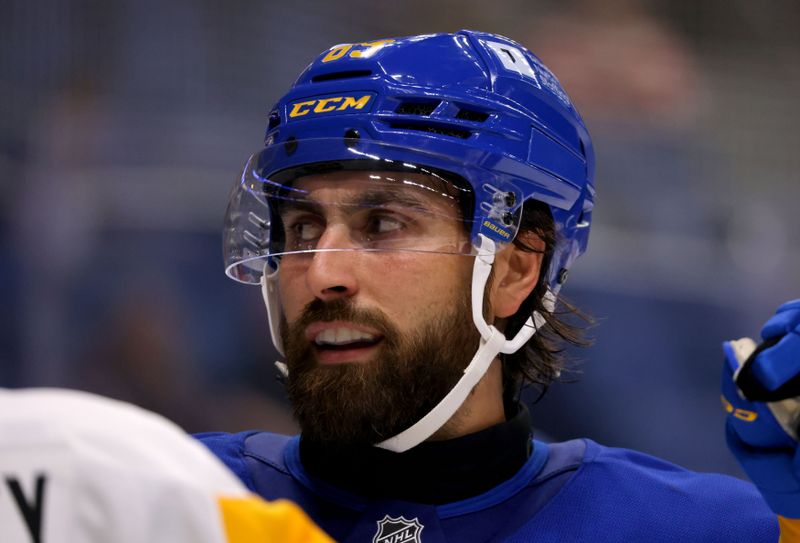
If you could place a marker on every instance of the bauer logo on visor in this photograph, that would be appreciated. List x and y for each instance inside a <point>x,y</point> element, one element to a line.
<point>314,107</point>
<point>495,230</point>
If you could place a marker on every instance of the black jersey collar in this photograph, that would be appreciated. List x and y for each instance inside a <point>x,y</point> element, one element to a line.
<point>434,472</point>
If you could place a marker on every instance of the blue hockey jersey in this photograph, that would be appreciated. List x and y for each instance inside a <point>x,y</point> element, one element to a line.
<point>572,491</point>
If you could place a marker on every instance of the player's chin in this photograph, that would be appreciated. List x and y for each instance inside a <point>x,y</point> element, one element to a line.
<point>354,353</point>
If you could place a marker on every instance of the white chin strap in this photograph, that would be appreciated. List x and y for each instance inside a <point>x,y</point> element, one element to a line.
<point>492,343</point>
<point>269,291</point>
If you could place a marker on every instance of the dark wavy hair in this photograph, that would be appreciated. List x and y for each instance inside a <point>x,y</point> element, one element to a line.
<point>542,360</point>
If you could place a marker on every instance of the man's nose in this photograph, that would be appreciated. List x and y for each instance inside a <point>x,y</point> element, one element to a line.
<point>333,270</point>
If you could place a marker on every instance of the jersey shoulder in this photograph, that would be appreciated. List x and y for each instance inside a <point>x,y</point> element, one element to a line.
<point>636,495</point>
<point>238,451</point>
<point>628,469</point>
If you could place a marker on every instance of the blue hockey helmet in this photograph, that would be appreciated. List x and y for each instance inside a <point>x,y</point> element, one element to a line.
<point>468,126</point>
<point>475,110</point>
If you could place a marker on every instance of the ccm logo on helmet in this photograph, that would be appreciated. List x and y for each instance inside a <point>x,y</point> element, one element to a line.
<point>331,104</point>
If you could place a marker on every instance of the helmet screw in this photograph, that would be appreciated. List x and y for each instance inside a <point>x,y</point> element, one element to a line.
<point>351,136</point>
<point>562,275</point>
<point>508,219</point>
<point>511,199</point>
<point>290,145</point>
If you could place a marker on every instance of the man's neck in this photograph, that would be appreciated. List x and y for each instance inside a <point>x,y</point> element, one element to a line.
<point>482,409</point>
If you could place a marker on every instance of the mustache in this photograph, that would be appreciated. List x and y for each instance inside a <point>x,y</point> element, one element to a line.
<point>342,309</point>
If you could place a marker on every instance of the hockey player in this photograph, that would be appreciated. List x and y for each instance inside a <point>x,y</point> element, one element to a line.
<point>80,468</point>
<point>411,220</point>
<point>761,393</point>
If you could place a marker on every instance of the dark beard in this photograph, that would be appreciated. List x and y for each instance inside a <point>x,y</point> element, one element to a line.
<point>356,404</point>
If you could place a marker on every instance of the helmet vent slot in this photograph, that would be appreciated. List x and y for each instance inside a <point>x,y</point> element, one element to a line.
<point>350,74</point>
<point>472,115</point>
<point>274,119</point>
<point>417,108</point>
<point>443,130</point>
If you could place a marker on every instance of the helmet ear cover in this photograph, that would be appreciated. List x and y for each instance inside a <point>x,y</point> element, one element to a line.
<point>537,362</point>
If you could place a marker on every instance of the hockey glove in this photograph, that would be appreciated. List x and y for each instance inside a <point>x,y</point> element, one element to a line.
<point>761,393</point>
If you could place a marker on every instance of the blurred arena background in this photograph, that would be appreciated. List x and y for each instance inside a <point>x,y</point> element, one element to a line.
<point>124,123</point>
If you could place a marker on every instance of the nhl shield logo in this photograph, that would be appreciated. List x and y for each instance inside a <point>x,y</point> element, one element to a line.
<point>398,530</point>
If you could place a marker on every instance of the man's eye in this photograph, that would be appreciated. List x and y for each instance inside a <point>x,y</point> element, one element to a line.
<point>384,225</point>
<point>306,231</point>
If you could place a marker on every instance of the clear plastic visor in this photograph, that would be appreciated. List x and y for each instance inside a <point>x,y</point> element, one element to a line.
<point>344,206</point>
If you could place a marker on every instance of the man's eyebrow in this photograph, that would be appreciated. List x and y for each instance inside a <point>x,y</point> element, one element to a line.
<point>292,204</point>
<point>367,199</point>
<point>388,196</point>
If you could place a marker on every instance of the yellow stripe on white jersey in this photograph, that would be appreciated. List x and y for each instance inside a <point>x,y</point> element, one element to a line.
<point>250,518</point>
<point>790,529</point>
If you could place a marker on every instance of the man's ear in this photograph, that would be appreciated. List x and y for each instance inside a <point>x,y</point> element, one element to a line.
<point>515,274</point>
